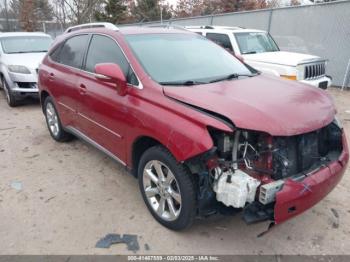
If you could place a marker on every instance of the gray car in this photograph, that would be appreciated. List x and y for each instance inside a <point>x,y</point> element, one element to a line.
<point>20,56</point>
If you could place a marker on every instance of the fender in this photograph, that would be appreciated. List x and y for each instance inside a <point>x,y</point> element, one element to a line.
<point>188,138</point>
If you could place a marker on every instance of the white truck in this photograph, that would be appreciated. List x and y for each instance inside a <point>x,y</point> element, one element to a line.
<point>258,49</point>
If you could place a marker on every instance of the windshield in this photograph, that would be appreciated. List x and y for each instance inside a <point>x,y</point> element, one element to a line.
<point>25,44</point>
<point>183,58</point>
<point>255,42</point>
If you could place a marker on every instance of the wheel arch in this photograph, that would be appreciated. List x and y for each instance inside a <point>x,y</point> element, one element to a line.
<point>139,146</point>
<point>43,95</point>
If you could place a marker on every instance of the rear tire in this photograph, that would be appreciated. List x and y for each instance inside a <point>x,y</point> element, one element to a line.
<point>167,188</point>
<point>54,123</point>
<point>10,98</point>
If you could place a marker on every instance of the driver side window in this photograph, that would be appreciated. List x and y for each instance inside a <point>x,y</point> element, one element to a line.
<point>103,49</point>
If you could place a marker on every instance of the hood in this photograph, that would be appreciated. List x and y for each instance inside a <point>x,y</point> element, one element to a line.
<point>281,58</point>
<point>262,103</point>
<point>29,60</point>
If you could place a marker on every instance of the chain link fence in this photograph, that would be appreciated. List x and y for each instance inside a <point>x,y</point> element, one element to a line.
<point>12,25</point>
<point>320,29</point>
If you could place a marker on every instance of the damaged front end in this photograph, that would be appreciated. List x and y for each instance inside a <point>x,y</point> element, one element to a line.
<point>269,177</point>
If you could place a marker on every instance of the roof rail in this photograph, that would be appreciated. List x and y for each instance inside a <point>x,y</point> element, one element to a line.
<point>91,25</point>
<point>214,27</point>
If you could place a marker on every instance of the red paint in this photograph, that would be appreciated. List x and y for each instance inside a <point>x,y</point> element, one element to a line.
<point>264,103</point>
<point>305,194</point>
<point>112,73</point>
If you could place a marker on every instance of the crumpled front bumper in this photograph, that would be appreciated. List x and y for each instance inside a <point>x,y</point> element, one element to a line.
<point>298,196</point>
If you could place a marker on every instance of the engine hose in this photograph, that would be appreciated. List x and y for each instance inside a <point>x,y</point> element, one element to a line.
<point>235,149</point>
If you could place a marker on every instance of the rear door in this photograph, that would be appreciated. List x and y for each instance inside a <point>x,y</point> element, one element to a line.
<point>67,61</point>
<point>102,112</point>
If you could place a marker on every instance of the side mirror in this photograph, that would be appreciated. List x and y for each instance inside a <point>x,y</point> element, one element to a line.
<point>112,73</point>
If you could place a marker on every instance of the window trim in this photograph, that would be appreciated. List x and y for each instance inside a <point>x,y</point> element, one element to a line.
<point>122,52</point>
<point>139,86</point>
<point>225,34</point>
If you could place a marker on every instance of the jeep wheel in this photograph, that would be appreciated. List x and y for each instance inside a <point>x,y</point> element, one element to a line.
<point>53,122</point>
<point>167,188</point>
<point>10,98</point>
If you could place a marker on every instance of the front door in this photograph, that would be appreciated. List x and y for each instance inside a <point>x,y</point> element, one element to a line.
<point>102,112</point>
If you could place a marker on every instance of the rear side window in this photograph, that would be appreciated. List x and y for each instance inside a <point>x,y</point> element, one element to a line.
<point>221,39</point>
<point>55,54</point>
<point>72,52</point>
<point>105,50</point>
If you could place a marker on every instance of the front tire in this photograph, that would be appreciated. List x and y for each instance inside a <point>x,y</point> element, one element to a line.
<point>10,98</point>
<point>167,188</point>
<point>54,123</point>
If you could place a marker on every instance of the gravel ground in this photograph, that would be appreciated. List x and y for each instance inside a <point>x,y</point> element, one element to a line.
<point>72,195</point>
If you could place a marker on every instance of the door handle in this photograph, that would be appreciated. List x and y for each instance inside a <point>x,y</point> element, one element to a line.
<point>82,89</point>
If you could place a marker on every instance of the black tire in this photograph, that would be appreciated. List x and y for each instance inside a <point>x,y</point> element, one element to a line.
<point>10,98</point>
<point>184,182</point>
<point>61,135</point>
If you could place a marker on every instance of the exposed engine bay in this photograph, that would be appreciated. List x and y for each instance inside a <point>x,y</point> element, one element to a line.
<point>246,169</point>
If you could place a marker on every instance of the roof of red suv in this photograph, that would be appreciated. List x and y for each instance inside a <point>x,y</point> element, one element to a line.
<point>135,30</point>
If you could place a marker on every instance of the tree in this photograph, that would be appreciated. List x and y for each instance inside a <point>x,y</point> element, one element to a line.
<point>294,2</point>
<point>187,8</point>
<point>150,10</point>
<point>27,15</point>
<point>42,9</point>
<point>113,11</point>
<point>206,7</point>
<point>80,11</point>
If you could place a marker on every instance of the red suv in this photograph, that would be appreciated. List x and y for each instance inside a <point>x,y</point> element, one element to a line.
<point>203,132</point>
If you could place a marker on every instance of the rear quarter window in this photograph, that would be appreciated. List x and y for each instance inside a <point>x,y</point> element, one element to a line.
<point>72,52</point>
<point>221,39</point>
<point>55,53</point>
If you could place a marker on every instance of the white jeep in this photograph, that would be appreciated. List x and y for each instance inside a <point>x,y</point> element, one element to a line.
<point>258,49</point>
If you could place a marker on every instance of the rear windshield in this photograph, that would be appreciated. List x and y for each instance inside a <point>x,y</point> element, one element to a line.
<point>25,44</point>
<point>183,57</point>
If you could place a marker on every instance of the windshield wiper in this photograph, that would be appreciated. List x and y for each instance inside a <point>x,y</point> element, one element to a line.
<point>233,76</point>
<point>27,52</point>
<point>249,53</point>
<point>183,83</point>
<point>19,52</point>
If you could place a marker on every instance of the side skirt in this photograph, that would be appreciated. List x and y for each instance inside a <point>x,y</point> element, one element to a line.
<point>88,140</point>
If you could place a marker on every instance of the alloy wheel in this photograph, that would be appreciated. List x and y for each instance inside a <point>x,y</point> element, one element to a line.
<point>52,119</point>
<point>162,190</point>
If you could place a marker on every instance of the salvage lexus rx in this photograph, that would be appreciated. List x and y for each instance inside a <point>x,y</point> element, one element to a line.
<point>203,132</point>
